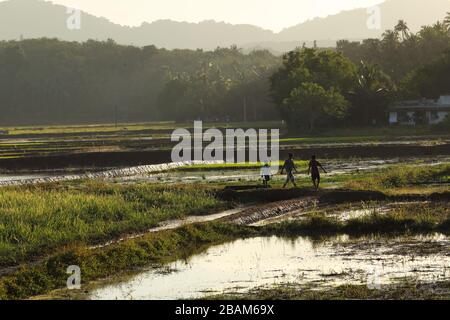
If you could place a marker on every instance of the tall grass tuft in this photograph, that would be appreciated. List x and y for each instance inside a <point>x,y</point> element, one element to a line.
<point>402,176</point>
<point>36,220</point>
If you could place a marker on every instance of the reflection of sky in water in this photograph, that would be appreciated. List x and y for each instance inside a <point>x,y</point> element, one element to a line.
<point>13,177</point>
<point>333,166</point>
<point>250,263</point>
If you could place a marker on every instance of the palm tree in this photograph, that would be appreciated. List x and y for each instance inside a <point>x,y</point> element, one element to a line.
<point>371,92</point>
<point>390,37</point>
<point>402,28</point>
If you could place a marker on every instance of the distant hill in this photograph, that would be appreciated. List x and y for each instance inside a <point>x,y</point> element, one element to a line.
<point>37,18</point>
<point>353,24</point>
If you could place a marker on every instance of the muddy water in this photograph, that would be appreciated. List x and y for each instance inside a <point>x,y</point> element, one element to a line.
<point>334,167</point>
<point>173,224</point>
<point>356,211</point>
<point>163,173</point>
<point>15,177</point>
<point>23,179</point>
<point>265,261</point>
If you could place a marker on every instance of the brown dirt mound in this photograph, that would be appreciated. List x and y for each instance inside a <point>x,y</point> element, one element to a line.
<point>255,194</point>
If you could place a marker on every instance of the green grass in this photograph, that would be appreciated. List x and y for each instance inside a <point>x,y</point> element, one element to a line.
<point>159,248</point>
<point>404,290</point>
<point>169,125</point>
<point>412,218</point>
<point>185,241</point>
<point>371,134</point>
<point>36,220</point>
<point>62,129</point>
<point>332,139</point>
<point>399,176</point>
<point>235,166</point>
<point>129,136</point>
<point>326,135</point>
<point>394,132</point>
<point>395,179</point>
<point>20,144</point>
<point>59,221</point>
<point>171,245</point>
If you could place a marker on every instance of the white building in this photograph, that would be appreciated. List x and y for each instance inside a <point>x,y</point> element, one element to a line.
<point>423,111</point>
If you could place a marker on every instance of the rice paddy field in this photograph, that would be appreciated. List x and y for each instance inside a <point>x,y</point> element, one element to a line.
<point>378,228</point>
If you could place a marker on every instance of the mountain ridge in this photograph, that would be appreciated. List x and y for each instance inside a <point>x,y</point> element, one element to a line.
<point>37,18</point>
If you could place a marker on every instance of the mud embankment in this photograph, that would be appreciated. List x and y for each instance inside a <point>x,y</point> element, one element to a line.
<point>260,195</point>
<point>336,196</point>
<point>139,170</point>
<point>77,134</point>
<point>275,203</point>
<point>258,213</point>
<point>148,157</point>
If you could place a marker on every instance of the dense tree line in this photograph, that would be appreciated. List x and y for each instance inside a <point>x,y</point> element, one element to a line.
<point>226,86</point>
<point>52,81</point>
<point>319,88</point>
<point>355,84</point>
<point>400,51</point>
<point>429,81</point>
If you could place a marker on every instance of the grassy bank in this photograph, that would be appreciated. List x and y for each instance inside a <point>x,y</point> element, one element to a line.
<point>398,177</point>
<point>235,166</point>
<point>37,220</point>
<point>358,133</point>
<point>409,219</point>
<point>406,290</point>
<point>158,248</point>
<point>130,127</point>
<point>421,178</point>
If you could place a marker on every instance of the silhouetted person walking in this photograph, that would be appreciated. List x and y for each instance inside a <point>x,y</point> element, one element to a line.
<point>313,169</point>
<point>290,168</point>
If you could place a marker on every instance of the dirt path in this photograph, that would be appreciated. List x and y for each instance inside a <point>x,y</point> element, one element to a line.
<point>173,224</point>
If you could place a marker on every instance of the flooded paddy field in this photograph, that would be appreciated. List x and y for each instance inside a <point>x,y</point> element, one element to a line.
<point>246,264</point>
<point>143,228</point>
<point>335,167</point>
<point>189,173</point>
<point>304,241</point>
<point>100,158</point>
<point>105,146</point>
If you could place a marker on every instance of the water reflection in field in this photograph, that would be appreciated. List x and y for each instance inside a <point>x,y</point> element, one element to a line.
<point>262,261</point>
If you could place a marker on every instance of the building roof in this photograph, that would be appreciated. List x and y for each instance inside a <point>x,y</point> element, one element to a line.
<point>444,101</point>
<point>442,104</point>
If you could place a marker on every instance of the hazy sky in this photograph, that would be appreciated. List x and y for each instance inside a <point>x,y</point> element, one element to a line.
<point>270,14</point>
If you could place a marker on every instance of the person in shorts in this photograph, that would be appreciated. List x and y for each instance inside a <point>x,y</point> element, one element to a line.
<point>313,169</point>
<point>290,168</point>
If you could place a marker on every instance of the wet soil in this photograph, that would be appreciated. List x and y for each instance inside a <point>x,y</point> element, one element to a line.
<point>266,261</point>
<point>145,157</point>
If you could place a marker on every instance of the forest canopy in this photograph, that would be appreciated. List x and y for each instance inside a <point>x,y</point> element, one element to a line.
<point>48,81</point>
<point>52,81</point>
